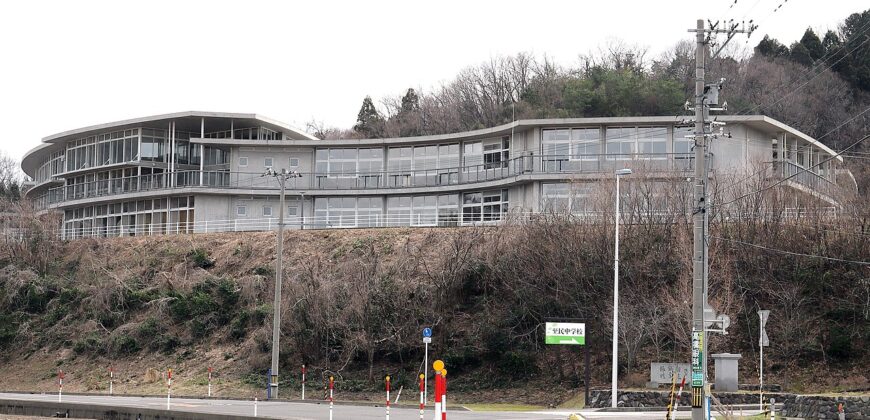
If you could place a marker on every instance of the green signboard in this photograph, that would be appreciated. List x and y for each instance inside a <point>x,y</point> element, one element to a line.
<point>565,333</point>
<point>697,358</point>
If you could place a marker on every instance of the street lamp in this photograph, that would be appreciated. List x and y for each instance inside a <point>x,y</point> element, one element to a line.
<point>619,173</point>
<point>282,178</point>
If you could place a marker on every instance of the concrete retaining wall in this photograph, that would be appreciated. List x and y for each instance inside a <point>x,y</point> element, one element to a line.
<point>95,411</point>
<point>800,406</point>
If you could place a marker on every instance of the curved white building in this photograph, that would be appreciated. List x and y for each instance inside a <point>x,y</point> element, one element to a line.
<point>201,171</point>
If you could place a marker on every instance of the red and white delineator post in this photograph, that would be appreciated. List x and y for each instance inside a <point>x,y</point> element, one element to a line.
<point>209,381</point>
<point>422,395</point>
<point>168,389</point>
<point>59,385</point>
<point>677,399</point>
<point>331,387</point>
<point>387,380</point>
<point>303,382</point>
<point>111,380</point>
<point>443,394</point>
<point>437,395</point>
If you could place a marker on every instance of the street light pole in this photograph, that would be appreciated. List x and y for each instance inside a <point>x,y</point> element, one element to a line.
<point>619,173</point>
<point>282,178</point>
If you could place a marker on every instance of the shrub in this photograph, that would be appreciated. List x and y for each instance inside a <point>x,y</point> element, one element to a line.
<point>89,344</point>
<point>239,325</point>
<point>8,328</point>
<point>200,258</point>
<point>124,345</point>
<point>265,271</point>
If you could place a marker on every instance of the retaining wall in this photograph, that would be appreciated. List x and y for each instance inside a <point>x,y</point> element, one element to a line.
<point>800,406</point>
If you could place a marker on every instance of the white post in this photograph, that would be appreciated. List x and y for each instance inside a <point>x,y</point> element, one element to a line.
<point>209,381</point>
<point>614,368</point>
<point>426,373</point>
<point>760,364</point>
<point>303,382</point>
<point>169,390</point>
<point>255,406</point>
<point>111,381</point>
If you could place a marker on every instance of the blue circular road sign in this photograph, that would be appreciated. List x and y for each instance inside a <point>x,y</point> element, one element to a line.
<point>427,332</point>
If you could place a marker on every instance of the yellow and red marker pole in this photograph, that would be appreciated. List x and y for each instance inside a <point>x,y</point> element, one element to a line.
<point>438,367</point>
<point>422,395</point>
<point>331,387</point>
<point>387,379</point>
<point>168,388</point>
<point>59,385</point>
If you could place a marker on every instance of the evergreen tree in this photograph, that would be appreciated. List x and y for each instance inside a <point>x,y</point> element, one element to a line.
<point>770,47</point>
<point>408,118</point>
<point>410,102</point>
<point>854,33</point>
<point>800,54</point>
<point>813,44</point>
<point>369,121</point>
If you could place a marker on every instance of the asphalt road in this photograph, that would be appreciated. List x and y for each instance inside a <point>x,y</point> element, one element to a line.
<point>315,411</point>
<point>283,410</point>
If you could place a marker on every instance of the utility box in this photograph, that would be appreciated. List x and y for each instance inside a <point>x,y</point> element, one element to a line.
<point>726,371</point>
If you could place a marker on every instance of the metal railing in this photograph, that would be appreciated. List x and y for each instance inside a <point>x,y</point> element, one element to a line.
<point>387,179</point>
<point>88,229</point>
<point>807,178</point>
<point>408,219</point>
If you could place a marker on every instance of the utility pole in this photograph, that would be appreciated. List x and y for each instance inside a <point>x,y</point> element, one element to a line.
<point>700,212</point>
<point>705,96</point>
<point>282,178</point>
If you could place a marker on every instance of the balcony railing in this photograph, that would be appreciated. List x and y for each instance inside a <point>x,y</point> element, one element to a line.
<point>387,179</point>
<point>809,179</point>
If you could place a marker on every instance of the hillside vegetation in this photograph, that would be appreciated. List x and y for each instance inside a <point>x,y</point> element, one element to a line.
<point>355,301</point>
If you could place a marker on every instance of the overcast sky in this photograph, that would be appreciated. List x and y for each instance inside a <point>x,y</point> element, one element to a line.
<point>69,64</point>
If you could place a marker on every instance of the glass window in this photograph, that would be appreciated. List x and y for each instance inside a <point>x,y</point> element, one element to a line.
<point>243,162</point>
<point>652,142</point>
<point>294,162</point>
<point>267,211</point>
<point>620,143</point>
<point>472,155</point>
<point>241,210</point>
<point>267,162</point>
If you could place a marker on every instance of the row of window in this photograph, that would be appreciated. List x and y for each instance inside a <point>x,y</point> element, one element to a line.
<point>250,133</point>
<point>421,210</point>
<point>619,143</point>
<point>591,198</point>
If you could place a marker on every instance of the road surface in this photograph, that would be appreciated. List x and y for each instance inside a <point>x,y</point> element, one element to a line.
<point>314,411</point>
<point>278,409</point>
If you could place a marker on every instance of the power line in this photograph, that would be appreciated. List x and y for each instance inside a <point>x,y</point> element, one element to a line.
<point>796,254</point>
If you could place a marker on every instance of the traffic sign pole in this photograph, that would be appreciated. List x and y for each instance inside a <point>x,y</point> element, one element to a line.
<point>427,338</point>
